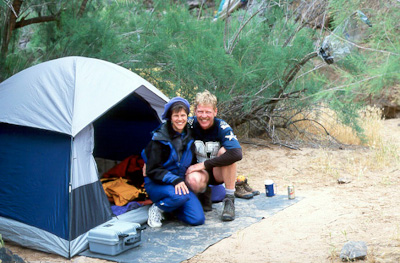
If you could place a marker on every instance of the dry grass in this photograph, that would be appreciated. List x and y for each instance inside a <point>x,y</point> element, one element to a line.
<point>326,121</point>
<point>379,153</point>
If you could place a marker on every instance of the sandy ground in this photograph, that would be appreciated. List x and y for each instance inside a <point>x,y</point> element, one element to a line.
<point>316,228</point>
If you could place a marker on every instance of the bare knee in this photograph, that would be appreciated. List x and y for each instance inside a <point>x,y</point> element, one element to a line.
<point>196,181</point>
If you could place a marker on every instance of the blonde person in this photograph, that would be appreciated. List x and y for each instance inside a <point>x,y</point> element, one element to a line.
<point>217,151</point>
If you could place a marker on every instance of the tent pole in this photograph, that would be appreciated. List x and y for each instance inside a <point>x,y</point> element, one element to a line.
<point>70,197</point>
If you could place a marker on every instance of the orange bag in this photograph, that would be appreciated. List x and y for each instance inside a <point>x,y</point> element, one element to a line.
<point>120,192</point>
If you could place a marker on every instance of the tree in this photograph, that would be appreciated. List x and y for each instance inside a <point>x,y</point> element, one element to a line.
<point>251,70</point>
<point>18,14</point>
<point>263,61</point>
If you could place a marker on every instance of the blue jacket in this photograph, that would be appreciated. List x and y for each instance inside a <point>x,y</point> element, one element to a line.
<point>164,163</point>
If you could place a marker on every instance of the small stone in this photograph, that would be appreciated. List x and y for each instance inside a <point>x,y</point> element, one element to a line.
<point>8,256</point>
<point>353,250</point>
<point>343,180</point>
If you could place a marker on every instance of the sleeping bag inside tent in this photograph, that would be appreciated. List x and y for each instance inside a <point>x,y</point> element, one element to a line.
<point>55,118</point>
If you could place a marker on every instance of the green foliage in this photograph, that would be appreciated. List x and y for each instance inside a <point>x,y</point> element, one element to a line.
<point>99,32</point>
<point>245,66</point>
<point>373,63</point>
<point>100,38</point>
<point>190,54</point>
<point>342,10</point>
<point>181,53</point>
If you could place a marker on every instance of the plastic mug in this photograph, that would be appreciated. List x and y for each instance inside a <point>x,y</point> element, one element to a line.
<point>270,188</point>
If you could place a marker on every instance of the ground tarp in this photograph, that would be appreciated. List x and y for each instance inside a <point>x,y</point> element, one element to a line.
<point>175,241</point>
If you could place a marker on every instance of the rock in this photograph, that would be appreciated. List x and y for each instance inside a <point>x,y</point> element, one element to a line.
<point>198,3</point>
<point>388,101</point>
<point>343,180</point>
<point>7,255</point>
<point>353,250</point>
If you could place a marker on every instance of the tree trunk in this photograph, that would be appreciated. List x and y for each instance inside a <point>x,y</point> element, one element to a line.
<point>267,109</point>
<point>82,8</point>
<point>9,25</point>
<point>11,20</point>
<point>290,76</point>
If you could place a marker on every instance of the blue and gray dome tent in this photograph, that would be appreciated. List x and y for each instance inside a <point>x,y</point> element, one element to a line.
<point>55,117</point>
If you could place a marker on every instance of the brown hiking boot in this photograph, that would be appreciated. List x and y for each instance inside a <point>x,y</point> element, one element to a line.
<point>241,192</point>
<point>228,214</point>
<point>249,189</point>
<point>205,199</point>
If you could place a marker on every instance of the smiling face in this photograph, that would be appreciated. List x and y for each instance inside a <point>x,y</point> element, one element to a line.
<point>179,120</point>
<point>205,114</point>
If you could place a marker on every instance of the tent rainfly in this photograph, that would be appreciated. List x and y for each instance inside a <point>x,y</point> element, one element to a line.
<point>55,117</point>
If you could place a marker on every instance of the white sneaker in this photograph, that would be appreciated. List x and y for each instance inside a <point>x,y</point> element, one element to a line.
<point>155,216</point>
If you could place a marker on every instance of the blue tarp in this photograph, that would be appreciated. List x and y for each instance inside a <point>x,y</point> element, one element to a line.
<point>176,242</point>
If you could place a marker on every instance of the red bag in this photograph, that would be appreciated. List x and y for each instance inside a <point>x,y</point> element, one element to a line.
<point>130,169</point>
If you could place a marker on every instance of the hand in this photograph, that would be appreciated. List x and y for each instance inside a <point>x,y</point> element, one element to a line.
<point>195,168</point>
<point>144,170</point>
<point>181,188</point>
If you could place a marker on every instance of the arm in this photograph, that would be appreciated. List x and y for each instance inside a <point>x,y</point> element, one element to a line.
<point>228,140</point>
<point>229,157</point>
<point>157,154</point>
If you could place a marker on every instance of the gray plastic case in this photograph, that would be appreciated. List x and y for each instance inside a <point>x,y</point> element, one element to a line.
<point>115,237</point>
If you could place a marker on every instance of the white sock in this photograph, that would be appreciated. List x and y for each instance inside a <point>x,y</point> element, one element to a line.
<point>230,191</point>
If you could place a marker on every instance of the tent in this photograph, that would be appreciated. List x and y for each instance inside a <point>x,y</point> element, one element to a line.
<point>55,117</point>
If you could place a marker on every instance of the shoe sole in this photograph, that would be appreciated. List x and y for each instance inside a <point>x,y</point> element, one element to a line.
<point>227,218</point>
<point>249,196</point>
<point>153,226</point>
<point>207,209</point>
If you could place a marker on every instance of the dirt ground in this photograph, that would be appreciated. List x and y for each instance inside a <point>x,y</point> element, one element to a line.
<point>330,214</point>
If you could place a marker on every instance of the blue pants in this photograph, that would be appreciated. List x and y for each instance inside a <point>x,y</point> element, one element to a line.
<point>187,207</point>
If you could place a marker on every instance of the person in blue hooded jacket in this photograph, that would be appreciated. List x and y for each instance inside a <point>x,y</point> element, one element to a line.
<point>168,155</point>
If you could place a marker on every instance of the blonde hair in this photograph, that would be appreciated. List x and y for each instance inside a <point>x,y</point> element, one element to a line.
<point>205,98</point>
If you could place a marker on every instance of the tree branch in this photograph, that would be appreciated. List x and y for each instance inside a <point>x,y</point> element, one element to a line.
<point>255,143</point>
<point>201,9</point>
<point>286,145</point>
<point>292,73</point>
<point>232,46</point>
<point>35,20</point>
<point>11,7</point>
<point>226,30</point>
<point>82,8</point>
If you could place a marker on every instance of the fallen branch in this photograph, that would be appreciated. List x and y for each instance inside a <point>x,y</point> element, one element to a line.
<point>286,145</point>
<point>255,143</point>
